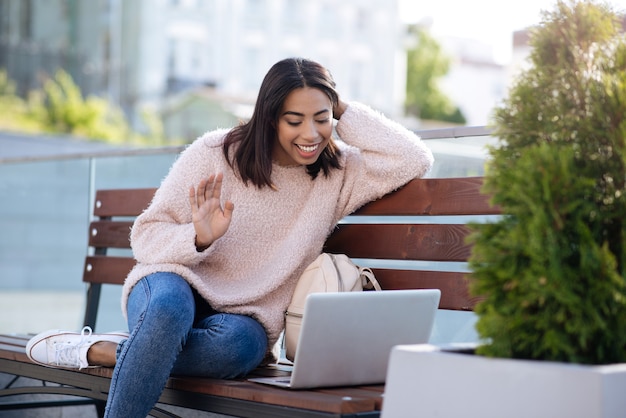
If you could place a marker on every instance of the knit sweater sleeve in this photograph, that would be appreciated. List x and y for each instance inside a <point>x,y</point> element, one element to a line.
<point>164,232</point>
<point>382,156</point>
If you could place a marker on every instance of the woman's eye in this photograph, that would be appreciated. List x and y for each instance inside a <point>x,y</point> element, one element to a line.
<point>323,120</point>
<point>293,123</point>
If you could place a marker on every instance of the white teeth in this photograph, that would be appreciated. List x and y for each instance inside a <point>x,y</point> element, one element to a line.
<point>308,148</point>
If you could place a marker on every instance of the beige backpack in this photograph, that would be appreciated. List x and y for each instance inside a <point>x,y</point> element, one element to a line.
<point>328,273</point>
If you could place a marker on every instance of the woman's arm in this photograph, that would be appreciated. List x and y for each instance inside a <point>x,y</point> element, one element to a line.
<point>383,156</point>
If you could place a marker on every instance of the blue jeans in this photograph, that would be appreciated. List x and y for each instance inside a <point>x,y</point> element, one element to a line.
<point>174,331</point>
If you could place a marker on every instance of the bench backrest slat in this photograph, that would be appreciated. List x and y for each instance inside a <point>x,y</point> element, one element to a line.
<point>107,269</point>
<point>453,285</point>
<point>434,242</point>
<point>122,202</point>
<point>109,234</point>
<point>438,196</point>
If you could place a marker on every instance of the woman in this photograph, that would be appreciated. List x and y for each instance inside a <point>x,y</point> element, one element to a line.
<point>229,231</point>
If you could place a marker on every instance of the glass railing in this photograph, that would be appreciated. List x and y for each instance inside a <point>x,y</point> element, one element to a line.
<point>45,206</point>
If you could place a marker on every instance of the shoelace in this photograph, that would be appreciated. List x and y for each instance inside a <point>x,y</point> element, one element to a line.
<point>69,354</point>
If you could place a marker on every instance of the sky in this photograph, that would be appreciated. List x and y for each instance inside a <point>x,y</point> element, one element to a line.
<point>490,21</point>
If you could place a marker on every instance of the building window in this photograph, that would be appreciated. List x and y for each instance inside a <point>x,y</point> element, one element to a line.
<point>328,21</point>
<point>254,13</point>
<point>362,20</point>
<point>295,12</point>
<point>26,13</point>
<point>171,58</point>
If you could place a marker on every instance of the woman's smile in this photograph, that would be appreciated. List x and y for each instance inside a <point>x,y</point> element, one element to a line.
<point>308,149</point>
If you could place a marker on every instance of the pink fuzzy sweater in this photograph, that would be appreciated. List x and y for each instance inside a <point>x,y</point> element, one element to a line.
<point>274,234</point>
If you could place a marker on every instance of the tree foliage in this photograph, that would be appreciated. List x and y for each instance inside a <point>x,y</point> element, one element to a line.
<point>553,269</point>
<point>59,107</point>
<point>426,65</point>
<point>13,110</point>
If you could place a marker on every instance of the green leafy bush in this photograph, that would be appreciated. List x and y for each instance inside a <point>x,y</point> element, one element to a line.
<point>553,269</point>
<point>13,110</point>
<point>61,108</point>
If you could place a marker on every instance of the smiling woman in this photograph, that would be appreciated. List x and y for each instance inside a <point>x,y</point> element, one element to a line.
<point>231,229</point>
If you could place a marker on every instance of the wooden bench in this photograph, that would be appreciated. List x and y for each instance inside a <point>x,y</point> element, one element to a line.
<point>382,236</point>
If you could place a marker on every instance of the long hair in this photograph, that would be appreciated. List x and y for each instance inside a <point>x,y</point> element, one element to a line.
<point>252,158</point>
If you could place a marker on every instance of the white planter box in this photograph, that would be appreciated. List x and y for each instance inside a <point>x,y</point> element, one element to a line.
<point>424,381</point>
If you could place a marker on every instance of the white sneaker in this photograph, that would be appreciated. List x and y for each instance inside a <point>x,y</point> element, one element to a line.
<point>58,348</point>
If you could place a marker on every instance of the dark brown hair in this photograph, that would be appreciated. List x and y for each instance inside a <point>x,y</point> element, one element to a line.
<point>255,139</point>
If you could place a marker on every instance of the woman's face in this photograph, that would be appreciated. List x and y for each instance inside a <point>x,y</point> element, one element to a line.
<point>305,125</point>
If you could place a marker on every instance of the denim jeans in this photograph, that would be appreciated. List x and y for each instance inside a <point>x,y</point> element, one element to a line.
<point>174,331</point>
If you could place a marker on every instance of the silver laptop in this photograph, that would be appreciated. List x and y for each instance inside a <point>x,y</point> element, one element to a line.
<point>346,338</point>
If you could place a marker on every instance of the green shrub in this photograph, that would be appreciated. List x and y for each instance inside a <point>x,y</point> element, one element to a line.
<point>60,107</point>
<point>552,270</point>
<point>13,110</point>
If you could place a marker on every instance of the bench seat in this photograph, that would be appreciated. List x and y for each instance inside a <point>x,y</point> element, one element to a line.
<point>220,396</point>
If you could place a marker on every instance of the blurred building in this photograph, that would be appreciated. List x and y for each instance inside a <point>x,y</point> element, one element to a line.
<point>142,52</point>
<point>476,82</point>
<point>38,37</point>
<point>521,53</point>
